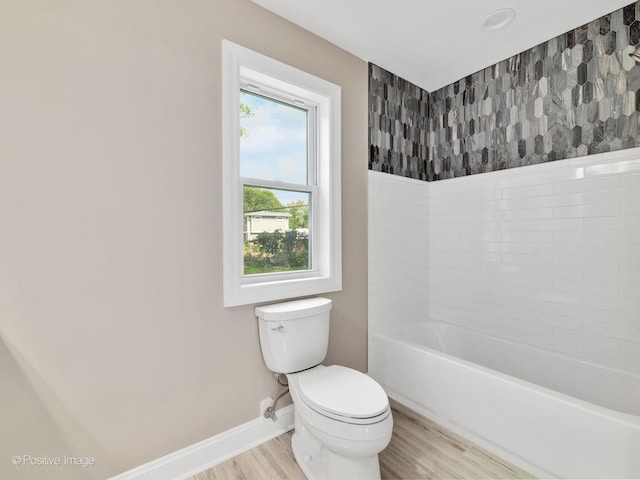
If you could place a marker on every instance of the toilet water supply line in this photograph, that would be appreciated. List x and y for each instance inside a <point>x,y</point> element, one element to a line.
<point>270,412</point>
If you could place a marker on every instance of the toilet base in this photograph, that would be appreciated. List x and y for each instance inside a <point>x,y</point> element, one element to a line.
<point>317,462</point>
<point>312,465</point>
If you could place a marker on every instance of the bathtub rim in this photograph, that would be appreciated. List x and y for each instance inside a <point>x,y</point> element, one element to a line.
<point>624,418</point>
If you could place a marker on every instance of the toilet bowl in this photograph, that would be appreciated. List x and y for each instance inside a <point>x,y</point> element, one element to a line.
<point>342,421</point>
<point>342,416</point>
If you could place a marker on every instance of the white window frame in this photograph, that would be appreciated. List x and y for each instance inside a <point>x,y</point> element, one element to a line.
<point>246,69</point>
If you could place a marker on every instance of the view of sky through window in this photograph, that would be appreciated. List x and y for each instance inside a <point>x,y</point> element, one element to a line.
<point>274,143</point>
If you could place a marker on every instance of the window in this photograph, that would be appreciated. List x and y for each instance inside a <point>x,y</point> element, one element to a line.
<point>281,180</point>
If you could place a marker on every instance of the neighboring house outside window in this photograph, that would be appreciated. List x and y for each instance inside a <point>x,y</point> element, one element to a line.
<point>263,221</point>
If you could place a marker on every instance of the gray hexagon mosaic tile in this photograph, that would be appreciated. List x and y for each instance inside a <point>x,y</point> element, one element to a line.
<point>574,95</point>
<point>398,125</point>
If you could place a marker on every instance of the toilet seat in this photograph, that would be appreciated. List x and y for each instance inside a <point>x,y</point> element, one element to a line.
<point>344,394</point>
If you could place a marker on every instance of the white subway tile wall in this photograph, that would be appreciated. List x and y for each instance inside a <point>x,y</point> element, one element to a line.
<point>398,257</point>
<point>548,254</point>
<point>561,267</point>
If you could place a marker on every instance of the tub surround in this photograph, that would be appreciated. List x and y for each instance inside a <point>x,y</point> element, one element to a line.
<point>547,255</point>
<point>543,258</point>
<point>398,254</point>
<point>574,95</point>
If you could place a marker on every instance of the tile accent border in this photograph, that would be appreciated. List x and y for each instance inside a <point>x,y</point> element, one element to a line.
<point>574,95</point>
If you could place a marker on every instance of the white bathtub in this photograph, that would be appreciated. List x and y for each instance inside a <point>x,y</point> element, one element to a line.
<point>551,414</point>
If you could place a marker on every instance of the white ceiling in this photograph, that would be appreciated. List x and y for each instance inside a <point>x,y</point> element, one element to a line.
<point>433,43</point>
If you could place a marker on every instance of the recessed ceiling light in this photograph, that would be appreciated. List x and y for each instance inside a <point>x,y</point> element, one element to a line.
<point>498,19</point>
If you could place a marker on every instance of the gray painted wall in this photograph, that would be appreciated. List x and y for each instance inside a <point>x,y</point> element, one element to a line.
<point>114,341</point>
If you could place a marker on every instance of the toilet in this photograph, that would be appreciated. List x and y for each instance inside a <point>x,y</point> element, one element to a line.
<point>342,416</point>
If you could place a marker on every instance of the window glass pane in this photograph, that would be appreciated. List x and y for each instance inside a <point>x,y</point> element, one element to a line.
<point>273,139</point>
<point>276,230</point>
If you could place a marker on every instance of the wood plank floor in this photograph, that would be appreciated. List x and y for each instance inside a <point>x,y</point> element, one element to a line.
<point>419,449</point>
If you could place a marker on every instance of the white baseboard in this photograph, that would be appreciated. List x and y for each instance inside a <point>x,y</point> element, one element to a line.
<point>200,456</point>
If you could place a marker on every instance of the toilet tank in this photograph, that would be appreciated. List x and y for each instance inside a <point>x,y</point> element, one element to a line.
<point>294,335</point>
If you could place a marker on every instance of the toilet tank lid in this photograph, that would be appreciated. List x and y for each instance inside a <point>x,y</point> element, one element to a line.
<point>294,309</point>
